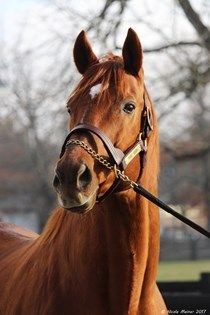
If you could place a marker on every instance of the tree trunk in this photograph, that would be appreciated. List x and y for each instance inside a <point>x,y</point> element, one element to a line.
<point>206,187</point>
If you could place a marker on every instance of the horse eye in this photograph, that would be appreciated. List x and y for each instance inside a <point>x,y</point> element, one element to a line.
<point>69,110</point>
<point>129,108</point>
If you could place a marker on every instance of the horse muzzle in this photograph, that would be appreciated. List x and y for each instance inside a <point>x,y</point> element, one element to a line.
<point>75,185</point>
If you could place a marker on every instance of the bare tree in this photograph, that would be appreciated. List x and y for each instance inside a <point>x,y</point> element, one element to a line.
<point>178,76</point>
<point>31,105</point>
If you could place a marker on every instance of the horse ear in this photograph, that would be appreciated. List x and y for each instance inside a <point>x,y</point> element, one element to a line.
<point>83,53</point>
<point>132,53</point>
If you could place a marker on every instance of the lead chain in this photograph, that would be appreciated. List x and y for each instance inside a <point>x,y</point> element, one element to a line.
<point>118,173</point>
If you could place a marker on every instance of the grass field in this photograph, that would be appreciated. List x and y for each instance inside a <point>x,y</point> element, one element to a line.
<point>182,270</point>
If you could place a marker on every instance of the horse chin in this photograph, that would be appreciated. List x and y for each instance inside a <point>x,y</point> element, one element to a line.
<point>82,208</point>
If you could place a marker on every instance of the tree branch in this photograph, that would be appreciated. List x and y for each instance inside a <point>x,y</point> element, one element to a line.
<point>172,45</point>
<point>196,22</point>
<point>183,156</point>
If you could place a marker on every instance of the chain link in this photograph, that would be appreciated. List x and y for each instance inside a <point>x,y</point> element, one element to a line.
<point>118,173</point>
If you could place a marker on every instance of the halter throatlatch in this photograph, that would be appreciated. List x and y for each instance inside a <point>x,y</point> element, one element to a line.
<point>118,158</point>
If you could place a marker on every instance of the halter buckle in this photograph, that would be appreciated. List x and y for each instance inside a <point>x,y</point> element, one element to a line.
<point>143,142</point>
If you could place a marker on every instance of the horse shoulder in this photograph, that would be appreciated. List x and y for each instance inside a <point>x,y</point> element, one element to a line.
<point>14,231</point>
<point>12,237</point>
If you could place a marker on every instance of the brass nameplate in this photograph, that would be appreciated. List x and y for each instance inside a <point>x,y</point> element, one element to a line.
<point>131,155</point>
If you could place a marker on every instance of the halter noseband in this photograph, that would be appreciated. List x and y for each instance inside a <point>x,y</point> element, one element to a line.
<point>120,159</point>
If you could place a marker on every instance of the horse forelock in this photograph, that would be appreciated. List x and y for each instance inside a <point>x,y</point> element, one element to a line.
<point>109,73</point>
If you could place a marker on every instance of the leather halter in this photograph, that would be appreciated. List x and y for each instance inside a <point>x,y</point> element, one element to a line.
<point>120,159</point>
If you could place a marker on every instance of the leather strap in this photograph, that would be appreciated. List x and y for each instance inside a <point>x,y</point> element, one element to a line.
<point>109,191</point>
<point>115,153</point>
<point>146,128</point>
<point>146,120</point>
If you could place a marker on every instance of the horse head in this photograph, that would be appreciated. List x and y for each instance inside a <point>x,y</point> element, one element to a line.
<point>111,97</point>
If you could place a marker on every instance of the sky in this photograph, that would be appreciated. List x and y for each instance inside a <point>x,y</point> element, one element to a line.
<point>12,9</point>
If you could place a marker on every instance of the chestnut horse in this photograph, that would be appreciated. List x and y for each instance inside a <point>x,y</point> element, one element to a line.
<point>93,258</point>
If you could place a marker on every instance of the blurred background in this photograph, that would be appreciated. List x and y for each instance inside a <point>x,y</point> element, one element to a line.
<point>37,74</point>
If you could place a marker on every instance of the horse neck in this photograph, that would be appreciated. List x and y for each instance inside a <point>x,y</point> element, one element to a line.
<point>114,248</point>
<point>132,231</point>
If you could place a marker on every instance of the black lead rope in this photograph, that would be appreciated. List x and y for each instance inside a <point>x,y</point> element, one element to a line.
<point>140,190</point>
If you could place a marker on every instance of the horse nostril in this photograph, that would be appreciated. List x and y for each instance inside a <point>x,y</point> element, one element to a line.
<point>84,176</point>
<point>56,181</point>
